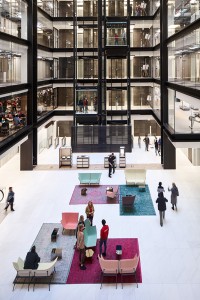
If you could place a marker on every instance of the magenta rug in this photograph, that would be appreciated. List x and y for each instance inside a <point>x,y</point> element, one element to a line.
<point>93,272</point>
<point>95,193</point>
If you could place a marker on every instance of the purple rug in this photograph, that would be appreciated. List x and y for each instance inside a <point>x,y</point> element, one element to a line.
<point>93,272</point>
<point>96,194</point>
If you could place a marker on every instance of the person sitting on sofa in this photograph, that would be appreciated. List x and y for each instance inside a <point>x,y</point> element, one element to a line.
<point>32,259</point>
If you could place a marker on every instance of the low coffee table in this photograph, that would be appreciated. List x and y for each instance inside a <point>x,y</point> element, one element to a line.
<point>54,234</point>
<point>119,251</point>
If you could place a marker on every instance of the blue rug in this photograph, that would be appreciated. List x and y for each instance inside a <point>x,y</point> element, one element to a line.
<point>143,205</point>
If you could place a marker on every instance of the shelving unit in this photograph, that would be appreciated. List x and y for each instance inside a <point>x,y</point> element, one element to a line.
<point>83,161</point>
<point>122,157</point>
<point>65,156</point>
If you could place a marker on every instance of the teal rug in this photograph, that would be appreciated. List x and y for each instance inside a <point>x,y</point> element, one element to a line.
<point>143,205</point>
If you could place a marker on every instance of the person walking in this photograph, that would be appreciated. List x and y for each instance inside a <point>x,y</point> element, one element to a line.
<point>161,200</point>
<point>110,165</point>
<point>146,140</point>
<point>81,246</point>
<point>113,162</point>
<point>10,199</point>
<point>174,195</point>
<point>139,141</point>
<point>159,146</point>
<point>156,146</point>
<point>160,188</point>
<point>90,211</point>
<point>103,238</point>
<point>32,259</point>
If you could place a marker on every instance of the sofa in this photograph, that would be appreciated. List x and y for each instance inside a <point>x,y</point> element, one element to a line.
<point>29,276</point>
<point>89,178</point>
<point>135,177</point>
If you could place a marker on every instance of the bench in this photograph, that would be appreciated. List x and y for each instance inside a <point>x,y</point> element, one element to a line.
<point>135,177</point>
<point>89,178</point>
<point>44,270</point>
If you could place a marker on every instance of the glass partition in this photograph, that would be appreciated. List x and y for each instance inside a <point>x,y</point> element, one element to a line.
<point>46,5</point>
<point>156,30</point>
<point>116,68</point>
<point>45,68</point>
<point>141,66</point>
<point>143,8</point>
<point>116,98</point>
<point>13,113</point>
<point>183,113</point>
<point>44,100</point>
<point>13,18</point>
<point>116,8</point>
<point>66,67</point>
<point>141,34</point>
<point>87,101</point>
<point>181,14</point>
<point>183,60</point>
<point>156,64</point>
<point>65,97</point>
<point>87,35</point>
<point>44,31</point>
<point>87,8</point>
<point>87,67</point>
<point>65,8</point>
<point>12,57</point>
<point>140,96</point>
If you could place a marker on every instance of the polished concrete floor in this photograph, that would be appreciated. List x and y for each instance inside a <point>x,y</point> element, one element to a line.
<point>170,255</point>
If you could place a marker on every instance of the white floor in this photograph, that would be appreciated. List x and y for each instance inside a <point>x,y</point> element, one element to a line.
<point>170,255</point>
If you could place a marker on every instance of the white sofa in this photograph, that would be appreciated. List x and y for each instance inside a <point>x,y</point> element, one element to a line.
<point>135,176</point>
<point>44,270</point>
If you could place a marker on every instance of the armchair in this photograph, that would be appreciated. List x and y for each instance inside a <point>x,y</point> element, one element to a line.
<point>127,201</point>
<point>108,268</point>
<point>90,235</point>
<point>69,220</point>
<point>128,267</point>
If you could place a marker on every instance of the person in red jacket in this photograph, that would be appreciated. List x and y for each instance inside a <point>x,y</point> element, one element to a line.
<point>103,237</point>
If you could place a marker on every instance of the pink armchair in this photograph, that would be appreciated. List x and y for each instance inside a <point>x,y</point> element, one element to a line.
<point>108,268</point>
<point>69,220</point>
<point>128,267</point>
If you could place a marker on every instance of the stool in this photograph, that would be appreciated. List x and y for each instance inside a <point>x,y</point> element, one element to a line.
<point>56,252</point>
<point>89,253</point>
<point>54,234</point>
<point>119,251</point>
<point>83,192</point>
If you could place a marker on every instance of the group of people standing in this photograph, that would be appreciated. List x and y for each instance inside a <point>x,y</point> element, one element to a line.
<point>161,200</point>
<point>146,140</point>
<point>80,244</point>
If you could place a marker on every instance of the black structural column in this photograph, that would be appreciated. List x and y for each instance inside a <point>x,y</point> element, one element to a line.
<point>169,157</point>
<point>163,88</point>
<point>28,149</point>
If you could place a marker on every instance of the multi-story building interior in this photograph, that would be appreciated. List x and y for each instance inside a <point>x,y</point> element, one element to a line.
<point>101,73</point>
<point>136,65</point>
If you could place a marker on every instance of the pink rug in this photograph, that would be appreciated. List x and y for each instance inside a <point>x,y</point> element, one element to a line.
<point>93,272</point>
<point>95,193</point>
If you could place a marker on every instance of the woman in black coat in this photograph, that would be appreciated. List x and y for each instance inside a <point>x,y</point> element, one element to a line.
<point>161,200</point>
<point>32,259</point>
